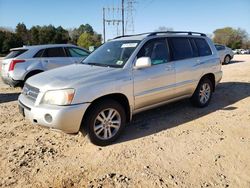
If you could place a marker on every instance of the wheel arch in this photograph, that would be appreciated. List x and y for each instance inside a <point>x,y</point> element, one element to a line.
<point>211,77</point>
<point>118,97</point>
<point>31,73</point>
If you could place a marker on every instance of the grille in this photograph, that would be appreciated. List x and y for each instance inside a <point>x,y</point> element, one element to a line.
<point>30,91</point>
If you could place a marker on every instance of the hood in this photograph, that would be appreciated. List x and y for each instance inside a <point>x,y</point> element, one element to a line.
<point>73,76</point>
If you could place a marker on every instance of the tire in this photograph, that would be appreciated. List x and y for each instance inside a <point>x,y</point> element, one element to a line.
<point>203,93</point>
<point>226,60</point>
<point>101,129</point>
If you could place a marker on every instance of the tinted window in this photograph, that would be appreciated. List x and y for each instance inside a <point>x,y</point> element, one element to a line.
<point>155,49</point>
<point>77,52</point>
<point>15,53</point>
<point>203,47</point>
<point>54,52</point>
<point>181,48</point>
<point>194,48</point>
<point>220,47</point>
<point>39,53</point>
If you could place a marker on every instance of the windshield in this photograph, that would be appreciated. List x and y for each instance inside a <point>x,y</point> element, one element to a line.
<point>113,54</point>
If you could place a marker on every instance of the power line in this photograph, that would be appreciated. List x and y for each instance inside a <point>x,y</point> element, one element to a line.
<point>115,16</point>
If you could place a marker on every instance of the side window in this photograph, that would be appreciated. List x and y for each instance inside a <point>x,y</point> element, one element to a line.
<point>77,52</point>
<point>39,53</point>
<point>54,52</point>
<point>203,47</point>
<point>181,48</point>
<point>156,49</point>
<point>194,48</point>
<point>219,47</point>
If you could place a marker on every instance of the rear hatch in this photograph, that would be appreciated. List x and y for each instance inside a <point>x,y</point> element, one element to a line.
<point>7,60</point>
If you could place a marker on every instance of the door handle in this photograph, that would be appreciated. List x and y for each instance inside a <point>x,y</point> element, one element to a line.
<point>46,61</point>
<point>169,67</point>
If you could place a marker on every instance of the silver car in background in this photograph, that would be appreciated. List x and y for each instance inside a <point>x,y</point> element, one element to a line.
<point>124,76</point>
<point>24,62</point>
<point>226,54</point>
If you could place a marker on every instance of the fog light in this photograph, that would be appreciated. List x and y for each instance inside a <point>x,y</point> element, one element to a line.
<point>48,118</point>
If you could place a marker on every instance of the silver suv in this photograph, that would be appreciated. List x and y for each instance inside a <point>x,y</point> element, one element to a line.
<point>24,62</point>
<point>124,76</point>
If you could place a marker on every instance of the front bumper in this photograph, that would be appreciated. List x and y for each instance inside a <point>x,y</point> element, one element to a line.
<point>65,118</point>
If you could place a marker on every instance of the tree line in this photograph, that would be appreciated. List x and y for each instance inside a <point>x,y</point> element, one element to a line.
<point>84,36</point>
<point>233,38</point>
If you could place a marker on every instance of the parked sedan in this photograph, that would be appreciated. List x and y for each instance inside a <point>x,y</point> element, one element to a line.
<point>226,54</point>
<point>24,62</point>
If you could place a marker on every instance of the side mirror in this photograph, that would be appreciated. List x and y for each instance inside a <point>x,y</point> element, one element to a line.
<point>142,62</point>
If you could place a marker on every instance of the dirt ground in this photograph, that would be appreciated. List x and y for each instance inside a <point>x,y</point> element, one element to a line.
<point>176,145</point>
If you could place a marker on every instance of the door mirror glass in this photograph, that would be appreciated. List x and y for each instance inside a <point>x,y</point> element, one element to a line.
<point>143,62</point>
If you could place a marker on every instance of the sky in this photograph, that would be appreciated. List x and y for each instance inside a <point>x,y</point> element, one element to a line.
<point>192,15</point>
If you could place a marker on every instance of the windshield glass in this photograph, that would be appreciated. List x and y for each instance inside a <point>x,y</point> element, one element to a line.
<point>113,54</point>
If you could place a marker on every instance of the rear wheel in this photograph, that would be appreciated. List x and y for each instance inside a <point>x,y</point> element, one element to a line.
<point>226,60</point>
<point>202,94</point>
<point>105,122</point>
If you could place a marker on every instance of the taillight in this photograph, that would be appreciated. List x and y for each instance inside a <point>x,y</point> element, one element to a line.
<point>14,62</point>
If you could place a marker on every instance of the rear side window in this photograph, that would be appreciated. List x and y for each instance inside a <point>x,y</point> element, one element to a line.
<point>77,52</point>
<point>15,53</point>
<point>220,47</point>
<point>39,53</point>
<point>54,52</point>
<point>156,49</point>
<point>203,47</point>
<point>181,48</point>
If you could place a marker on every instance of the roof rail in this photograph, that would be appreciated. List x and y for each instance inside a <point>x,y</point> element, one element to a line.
<point>163,32</point>
<point>131,35</point>
<point>180,32</point>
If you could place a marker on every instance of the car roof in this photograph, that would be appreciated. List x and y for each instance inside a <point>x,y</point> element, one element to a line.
<point>43,46</point>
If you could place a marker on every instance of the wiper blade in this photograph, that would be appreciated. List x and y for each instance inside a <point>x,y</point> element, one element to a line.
<point>96,64</point>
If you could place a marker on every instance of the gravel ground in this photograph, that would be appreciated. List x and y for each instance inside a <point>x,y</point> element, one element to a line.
<point>176,145</point>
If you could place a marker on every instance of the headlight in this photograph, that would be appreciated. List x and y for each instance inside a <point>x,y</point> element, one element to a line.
<point>59,97</point>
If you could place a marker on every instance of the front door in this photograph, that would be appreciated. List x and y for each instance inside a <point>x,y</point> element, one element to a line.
<point>154,84</point>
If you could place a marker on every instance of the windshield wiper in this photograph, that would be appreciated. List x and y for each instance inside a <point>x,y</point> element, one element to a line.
<point>103,65</point>
<point>96,64</point>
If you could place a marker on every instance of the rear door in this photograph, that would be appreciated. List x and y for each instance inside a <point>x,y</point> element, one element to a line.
<point>55,57</point>
<point>185,55</point>
<point>76,54</point>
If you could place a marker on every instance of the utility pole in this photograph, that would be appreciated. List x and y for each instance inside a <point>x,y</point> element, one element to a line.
<point>130,28</point>
<point>118,18</point>
<point>123,28</point>
<point>104,29</point>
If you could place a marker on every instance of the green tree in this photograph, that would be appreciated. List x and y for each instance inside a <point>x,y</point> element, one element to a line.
<point>86,40</point>
<point>61,36</point>
<point>75,33</point>
<point>34,35</point>
<point>231,37</point>
<point>12,40</point>
<point>22,32</point>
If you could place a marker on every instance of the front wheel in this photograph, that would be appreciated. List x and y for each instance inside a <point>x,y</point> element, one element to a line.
<point>202,94</point>
<point>105,122</point>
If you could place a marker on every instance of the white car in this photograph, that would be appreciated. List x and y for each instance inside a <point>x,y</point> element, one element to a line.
<point>226,54</point>
<point>244,51</point>
<point>24,62</point>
